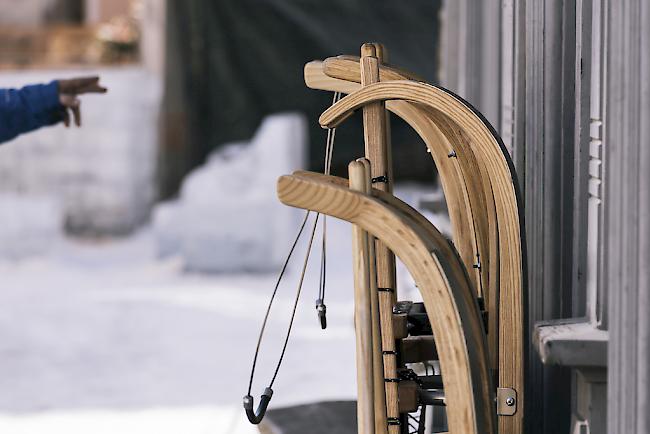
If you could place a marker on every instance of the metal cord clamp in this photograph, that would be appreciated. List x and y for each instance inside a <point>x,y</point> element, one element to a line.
<point>389,353</point>
<point>382,178</point>
<point>385,290</point>
<point>392,380</point>
<point>322,313</point>
<point>393,421</point>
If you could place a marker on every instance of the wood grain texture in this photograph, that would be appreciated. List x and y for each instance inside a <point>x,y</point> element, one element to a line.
<point>362,314</point>
<point>316,79</point>
<point>451,174</point>
<point>379,161</point>
<point>377,358</point>
<point>472,216</point>
<point>346,68</point>
<point>440,276</point>
<point>487,149</point>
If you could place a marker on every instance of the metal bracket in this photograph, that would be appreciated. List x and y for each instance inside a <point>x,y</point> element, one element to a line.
<point>506,401</point>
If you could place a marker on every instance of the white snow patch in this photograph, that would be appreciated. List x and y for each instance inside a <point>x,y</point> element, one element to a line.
<point>104,336</point>
<point>192,420</point>
<point>228,218</point>
<point>29,225</point>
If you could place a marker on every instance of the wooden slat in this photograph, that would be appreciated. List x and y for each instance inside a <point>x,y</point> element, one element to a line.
<point>343,68</point>
<point>377,358</point>
<point>362,314</point>
<point>316,79</point>
<point>464,210</point>
<point>378,154</point>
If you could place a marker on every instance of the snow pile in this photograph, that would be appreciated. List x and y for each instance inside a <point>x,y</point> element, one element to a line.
<point>29,226</point>
<point>228,218</point>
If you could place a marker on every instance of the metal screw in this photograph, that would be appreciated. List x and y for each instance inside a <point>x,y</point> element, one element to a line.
<point>510,401</point>
<point>452,154</point>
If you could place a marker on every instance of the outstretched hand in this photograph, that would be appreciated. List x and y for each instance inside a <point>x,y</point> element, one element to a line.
<point>69,90</point>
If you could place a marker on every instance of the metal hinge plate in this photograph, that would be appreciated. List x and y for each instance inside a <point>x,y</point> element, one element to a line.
<point>506,401</point>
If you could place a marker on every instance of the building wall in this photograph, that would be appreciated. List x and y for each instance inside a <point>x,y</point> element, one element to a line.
<point>627,214</point>
<point>574,112</point>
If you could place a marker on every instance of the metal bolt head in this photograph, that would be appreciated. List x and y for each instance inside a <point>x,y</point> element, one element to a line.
<point>510,401</point>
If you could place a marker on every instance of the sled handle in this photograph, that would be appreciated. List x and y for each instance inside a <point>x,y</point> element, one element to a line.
<point>255,417</point>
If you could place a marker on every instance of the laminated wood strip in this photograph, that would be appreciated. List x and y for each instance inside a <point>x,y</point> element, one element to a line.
<point>362,315</point>
<point>316,79</point>
<point>379,391</point>
<point>346,68</point>
<point>378,155</point>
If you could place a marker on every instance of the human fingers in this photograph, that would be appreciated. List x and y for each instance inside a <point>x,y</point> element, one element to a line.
<point>76,112</point>
<point>81,85</point>
<point>66,117</point>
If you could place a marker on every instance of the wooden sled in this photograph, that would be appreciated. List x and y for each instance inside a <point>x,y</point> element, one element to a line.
<point>480,276</point>
<point>447,294</point>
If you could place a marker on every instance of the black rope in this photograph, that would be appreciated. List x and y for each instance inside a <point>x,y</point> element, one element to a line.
<point>275,290</point>
<point>329,151</point>
<point>295,304</point>
<point>256,416</point>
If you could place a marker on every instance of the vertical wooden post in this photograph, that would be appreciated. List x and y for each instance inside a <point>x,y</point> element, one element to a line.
<point>375,132</point>
<point>362,313</point>
<point>377,362</point>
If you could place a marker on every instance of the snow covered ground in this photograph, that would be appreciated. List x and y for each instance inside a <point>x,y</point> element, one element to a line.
<point>105,337</point>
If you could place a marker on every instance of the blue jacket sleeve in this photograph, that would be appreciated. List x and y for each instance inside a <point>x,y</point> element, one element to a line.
<point>29,108</point>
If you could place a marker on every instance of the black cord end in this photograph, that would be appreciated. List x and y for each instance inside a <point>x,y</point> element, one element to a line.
<point>322,313</point>
<point>255,417</point>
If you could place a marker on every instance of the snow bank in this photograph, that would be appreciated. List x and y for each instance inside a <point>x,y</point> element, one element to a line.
<point>29,225</point>
<point>173,420</point>
<point>228,218</point>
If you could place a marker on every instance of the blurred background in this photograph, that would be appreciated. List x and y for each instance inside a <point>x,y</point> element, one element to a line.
<point>138,252</point>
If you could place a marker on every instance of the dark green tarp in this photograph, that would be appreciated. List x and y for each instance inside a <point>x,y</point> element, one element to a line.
<point>231,62</point>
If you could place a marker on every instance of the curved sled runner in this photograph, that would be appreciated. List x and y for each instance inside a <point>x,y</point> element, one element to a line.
<point>448,297</point>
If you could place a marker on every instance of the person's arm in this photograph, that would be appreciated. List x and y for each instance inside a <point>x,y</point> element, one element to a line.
<point>29,108</point>
<point>35,106</point>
